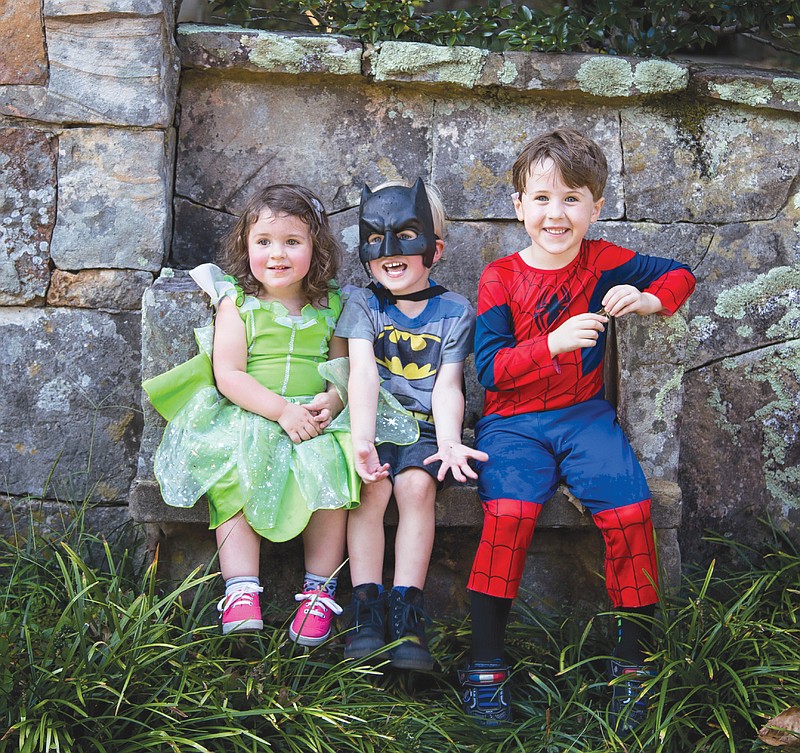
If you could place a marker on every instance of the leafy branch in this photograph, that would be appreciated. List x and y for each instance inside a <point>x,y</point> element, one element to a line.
<point>625,27</point>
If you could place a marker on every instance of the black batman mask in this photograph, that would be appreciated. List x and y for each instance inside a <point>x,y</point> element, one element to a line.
<point>387,213</point>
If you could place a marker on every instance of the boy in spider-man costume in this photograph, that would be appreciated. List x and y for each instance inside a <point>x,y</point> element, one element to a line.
<point>539,344</point>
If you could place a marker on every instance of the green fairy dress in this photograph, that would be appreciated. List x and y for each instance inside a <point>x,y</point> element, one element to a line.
<point>242,461</point>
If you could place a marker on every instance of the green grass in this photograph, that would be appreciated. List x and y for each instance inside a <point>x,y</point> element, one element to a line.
<point>94,656</point>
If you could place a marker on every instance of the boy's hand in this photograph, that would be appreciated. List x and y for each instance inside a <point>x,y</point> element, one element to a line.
<point>578,332</point>
<point>368,465</point>
<point>626,299</point>
<point>324,407</point>
<point>455,457</point>
<point>298,423</point>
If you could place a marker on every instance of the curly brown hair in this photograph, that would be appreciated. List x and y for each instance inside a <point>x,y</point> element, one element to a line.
<point>580,160</point>
<point>296,201</point>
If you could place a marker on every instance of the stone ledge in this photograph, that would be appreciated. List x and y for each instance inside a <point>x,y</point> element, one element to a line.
<point>457,507</point>
<point>457,511</point>
<point>575,74</point>
<point>220,48</point>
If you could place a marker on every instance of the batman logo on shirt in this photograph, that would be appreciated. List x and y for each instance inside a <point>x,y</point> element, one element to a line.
<point>410,371</point>
<point>410,355</point>
<point>417,342</point>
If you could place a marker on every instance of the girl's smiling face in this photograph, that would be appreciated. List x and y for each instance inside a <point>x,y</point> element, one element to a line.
<point>556,216</point>
<point>280,248</point>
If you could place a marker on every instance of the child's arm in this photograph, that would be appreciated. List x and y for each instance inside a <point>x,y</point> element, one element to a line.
<point>646,284</point>
<point>325,406</point>
<point>364,383</point>
<point>233,381</point>
<point>447,401</point>
<point>502,362</point>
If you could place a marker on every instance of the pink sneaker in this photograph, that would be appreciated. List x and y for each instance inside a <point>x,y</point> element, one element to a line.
<point>241,609</point>
<point>312,623</point>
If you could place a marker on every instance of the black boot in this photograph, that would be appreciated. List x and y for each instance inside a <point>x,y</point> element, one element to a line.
<point>366,634</point>
<point>407,622</point>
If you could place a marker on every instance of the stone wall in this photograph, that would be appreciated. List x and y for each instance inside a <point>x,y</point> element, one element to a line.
<point>87,101</point>
<point>704,168</point>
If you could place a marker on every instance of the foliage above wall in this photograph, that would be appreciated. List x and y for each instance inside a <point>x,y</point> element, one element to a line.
<point>625,27</point>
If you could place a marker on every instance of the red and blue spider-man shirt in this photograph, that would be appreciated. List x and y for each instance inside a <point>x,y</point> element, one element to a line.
<point>518,306</point>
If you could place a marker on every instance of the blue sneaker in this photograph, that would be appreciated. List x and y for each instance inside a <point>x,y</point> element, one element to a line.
<point>484,692</point>
<point>628,700</point>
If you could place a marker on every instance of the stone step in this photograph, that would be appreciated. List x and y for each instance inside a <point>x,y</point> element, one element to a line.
<point>566,553</point>
<point>456,507</point>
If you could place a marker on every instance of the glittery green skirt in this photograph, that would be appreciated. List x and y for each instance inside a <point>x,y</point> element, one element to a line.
<point>244,462</point>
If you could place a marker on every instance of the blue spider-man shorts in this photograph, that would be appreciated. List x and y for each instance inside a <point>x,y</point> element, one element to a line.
<point>582,445</point>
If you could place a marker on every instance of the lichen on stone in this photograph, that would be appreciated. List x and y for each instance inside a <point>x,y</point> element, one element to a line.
<point>743,92</point>
<point>454,65</point>
<point>790,321</point>
<point>777,421</point>
<point>660,77</point>
<point>605,77</point>
<point>185,30</point>
<point>672,385</point>
<point>787,88</point>
<point>350,239</point>
<point>717,405</point>
<point>508,73</point>
<point>778,288</point>
<point>300,54</point>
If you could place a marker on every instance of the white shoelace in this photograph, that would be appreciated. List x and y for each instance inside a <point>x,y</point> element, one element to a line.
<point>319,599</point>
<point>241,592</point>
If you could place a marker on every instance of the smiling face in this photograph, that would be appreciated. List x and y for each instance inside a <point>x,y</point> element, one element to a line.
<point>556,216</point>
<point>280,248</point>
<point>401,274</point>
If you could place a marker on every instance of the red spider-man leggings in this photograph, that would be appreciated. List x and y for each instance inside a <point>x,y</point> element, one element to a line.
<point>529,455</point>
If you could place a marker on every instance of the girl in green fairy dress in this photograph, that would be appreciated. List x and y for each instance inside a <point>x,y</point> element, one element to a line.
<point>256,422</point>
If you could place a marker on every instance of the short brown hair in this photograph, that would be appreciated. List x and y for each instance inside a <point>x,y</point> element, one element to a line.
<point>580,160</point>
<point>296,201</point>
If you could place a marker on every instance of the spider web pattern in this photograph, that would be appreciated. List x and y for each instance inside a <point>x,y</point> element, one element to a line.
<point>630,562</point>
<point>518,307</point>
<point>508,526</point>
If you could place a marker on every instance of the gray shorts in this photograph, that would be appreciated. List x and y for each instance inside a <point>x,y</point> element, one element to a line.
<point>400,457</point>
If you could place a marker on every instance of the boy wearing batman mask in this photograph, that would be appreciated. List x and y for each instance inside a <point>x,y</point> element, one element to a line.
<point>409,336</point>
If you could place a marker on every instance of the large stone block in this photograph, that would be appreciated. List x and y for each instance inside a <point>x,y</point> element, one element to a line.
<point>28,212</point>
<point>197,234</point>
<point>24,60</point>
<point>686,160</point>
<point>114,208</point>
<point>107,289</point>
<point>684,241</point>
<point>55,8</point>
<point>749,286</point>
<point>239,135</point>
<point>70,419</point>
<point>171,308</point>
<point>117,70</point>
<point>740,448</point>
<point>268,52</point>
<point>476,140</point>
<point>550,581</point>
<point>751,87</point>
